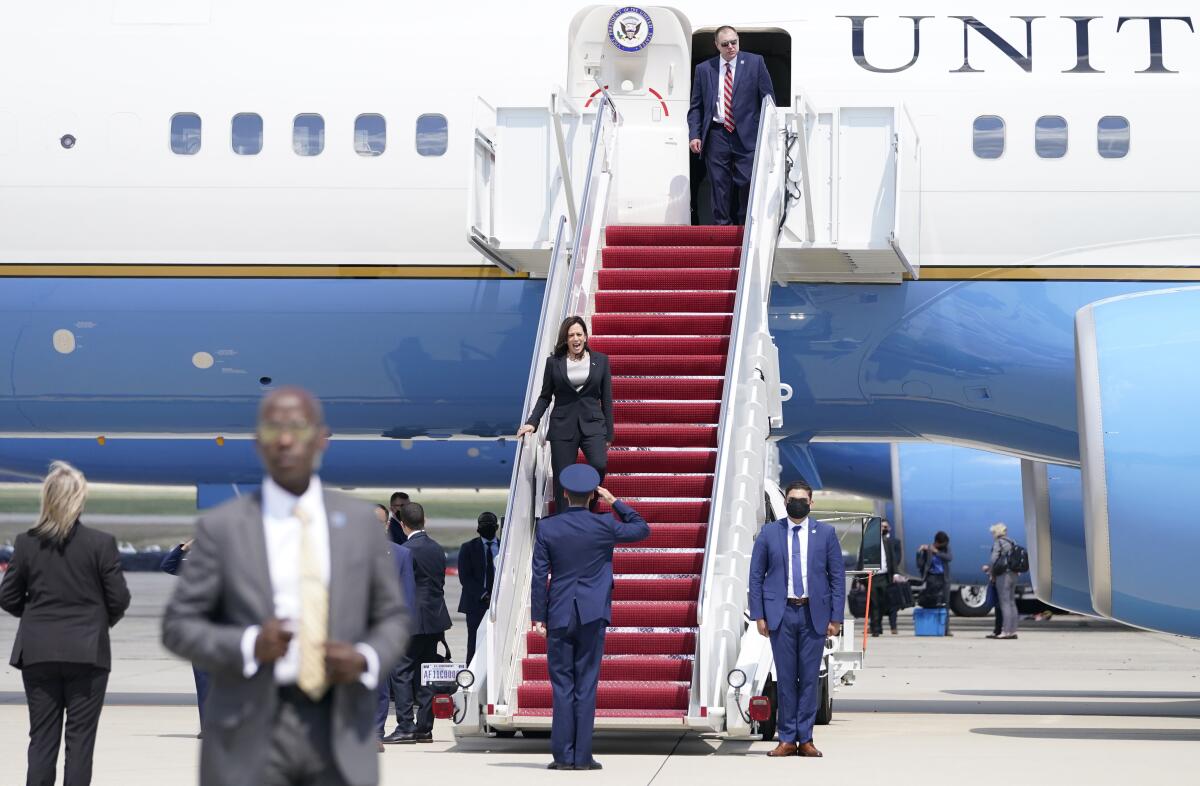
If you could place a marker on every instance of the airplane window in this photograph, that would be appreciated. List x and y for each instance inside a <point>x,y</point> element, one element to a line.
<point>370,135</point>
<point>247,130</point>
<point>185,133</point>
<point>432,135</point>
<point>1112,136</point>
<point>1050,136</point>
<point>988,137</point>
<point>308,135</point>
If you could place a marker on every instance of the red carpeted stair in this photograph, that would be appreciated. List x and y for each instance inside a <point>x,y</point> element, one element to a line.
<point>663,312</point>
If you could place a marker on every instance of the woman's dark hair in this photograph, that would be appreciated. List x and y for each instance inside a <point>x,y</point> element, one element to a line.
<point>560,345</point>
<point>941,538</point>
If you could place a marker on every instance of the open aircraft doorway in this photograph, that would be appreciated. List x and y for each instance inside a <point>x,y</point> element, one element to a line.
<point>775,46</point>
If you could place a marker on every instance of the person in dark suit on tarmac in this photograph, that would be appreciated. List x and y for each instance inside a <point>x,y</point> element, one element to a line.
<point>575,550</point>
<point>727,95</point>
<point>884,598</point>
<point>579,381</point>
<point>477,575</point>
<point>394,529</point>
<point>172,564</point>
<point>432,622</point>
<point>797,598</point>
<point>408,588</point>
<point>66,585</point>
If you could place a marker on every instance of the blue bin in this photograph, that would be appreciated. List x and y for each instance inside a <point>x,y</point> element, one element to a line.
<point>929,622</point>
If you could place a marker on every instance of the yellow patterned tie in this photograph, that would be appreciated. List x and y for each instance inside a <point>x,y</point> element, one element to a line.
<point>314,613</point>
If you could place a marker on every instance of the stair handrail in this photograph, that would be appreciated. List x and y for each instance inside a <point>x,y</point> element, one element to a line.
<point>593,206</point>
<point>561,298</point>
<point>737,508</point>
<point>804,110</point>
<point>508,599</point>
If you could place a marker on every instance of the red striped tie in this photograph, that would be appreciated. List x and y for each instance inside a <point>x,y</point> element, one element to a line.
<point>728,97</point>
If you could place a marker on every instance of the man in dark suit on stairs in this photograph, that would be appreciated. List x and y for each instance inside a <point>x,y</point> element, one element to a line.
<point>477,574</point>
<point>727,95</point>
<point>432,621</point>
<point>575,549</point>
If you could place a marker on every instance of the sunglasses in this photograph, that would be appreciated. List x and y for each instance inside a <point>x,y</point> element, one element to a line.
<point>301,432</point>
<point>724,44</point>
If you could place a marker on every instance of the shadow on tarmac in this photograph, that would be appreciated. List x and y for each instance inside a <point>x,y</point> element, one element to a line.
<point>1131,735</point>
<point>1078,694</point>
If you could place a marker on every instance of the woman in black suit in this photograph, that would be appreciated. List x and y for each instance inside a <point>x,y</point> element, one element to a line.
<point>579,381</point>
<point>66,585</point>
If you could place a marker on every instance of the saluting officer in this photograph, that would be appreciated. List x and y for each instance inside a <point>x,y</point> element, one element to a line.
<point>575,549</point>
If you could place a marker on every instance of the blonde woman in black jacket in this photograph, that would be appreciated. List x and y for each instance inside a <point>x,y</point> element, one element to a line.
<point>66,585</point>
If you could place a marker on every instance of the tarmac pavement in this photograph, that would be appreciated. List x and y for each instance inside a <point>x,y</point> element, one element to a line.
<point>1072,700</point>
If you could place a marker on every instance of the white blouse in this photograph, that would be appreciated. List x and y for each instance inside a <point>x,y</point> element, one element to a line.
<point>578,370</point>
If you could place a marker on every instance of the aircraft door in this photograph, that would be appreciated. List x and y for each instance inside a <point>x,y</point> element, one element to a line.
<point>641,57</point>
<point>775,47</point>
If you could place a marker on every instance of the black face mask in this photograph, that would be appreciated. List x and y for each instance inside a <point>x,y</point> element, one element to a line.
<point>488,531</point>
<point>798,508</point>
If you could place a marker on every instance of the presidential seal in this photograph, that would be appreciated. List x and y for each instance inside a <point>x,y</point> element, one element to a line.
<point>630,29</point>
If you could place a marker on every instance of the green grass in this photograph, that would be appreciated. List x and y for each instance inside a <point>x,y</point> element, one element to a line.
<point>143,501</point>
<point>842,503</point>
<point>26,499</point>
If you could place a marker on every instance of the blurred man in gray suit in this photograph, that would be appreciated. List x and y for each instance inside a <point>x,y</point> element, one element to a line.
<point>290,600</point>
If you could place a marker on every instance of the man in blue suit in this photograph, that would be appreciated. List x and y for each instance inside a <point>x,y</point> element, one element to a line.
<point>575,549</point>
<point>408,587</point>
<point>727,94</point>
<point>797,597</point>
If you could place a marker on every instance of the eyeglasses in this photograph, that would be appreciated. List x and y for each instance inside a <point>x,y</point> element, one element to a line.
<point>728,43</point>
<point>271,432</point>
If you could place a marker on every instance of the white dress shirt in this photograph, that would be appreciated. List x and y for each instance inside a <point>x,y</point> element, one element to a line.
<point>281,529</point>
<point>719,115</point>
<point>798,590</point>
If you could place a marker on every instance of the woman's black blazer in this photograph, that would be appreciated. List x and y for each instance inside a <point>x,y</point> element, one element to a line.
<point>67,597</point>
<point>588,412</point>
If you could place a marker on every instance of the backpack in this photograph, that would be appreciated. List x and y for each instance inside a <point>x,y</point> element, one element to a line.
<point>1015,561</point>
<point>1018,559</point>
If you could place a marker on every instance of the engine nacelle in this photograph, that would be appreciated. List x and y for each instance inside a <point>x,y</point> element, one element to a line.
<point>1136,381</point>
<point>1054,526</point>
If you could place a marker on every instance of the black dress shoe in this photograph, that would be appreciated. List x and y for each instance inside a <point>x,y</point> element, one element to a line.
<point>592,765</point>
<point>426,737</point>
<point>554,765</point>
<point>400,738</point>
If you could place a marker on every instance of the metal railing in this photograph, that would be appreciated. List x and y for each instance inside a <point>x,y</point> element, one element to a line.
<point>749,410</point>
<point>568,291</point>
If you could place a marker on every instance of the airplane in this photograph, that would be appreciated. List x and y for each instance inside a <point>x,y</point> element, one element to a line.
<point>925,487</point>
<point>205,200</point>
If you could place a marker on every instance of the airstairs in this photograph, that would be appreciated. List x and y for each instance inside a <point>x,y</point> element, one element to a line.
<point>586,193</point>
<point>682,313</point>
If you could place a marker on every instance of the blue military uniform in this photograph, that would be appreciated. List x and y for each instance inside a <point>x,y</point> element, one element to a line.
<point>575,550</point>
